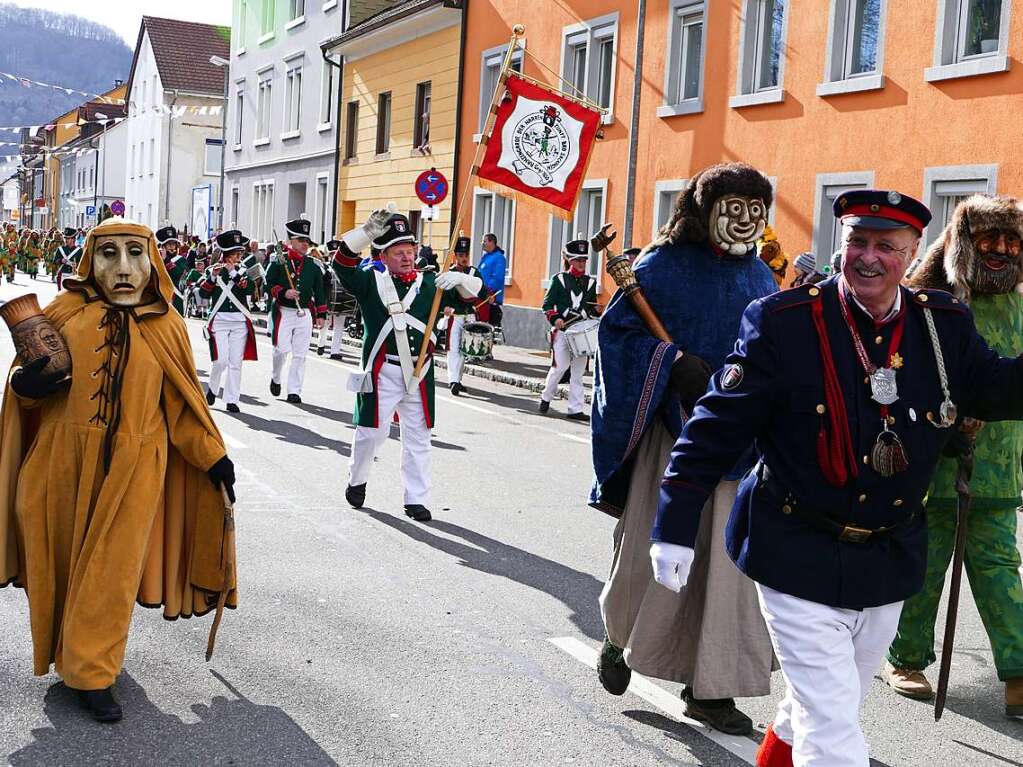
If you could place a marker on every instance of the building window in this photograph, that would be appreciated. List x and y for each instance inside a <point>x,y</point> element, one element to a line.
<point>946,187</point>
<point>293,99</point>
<point>296,201</point>
<point>827,232</point>
<point>972,38</point>
<point>665,193</point>
<point>589,59</point>
<point>383,144</point>
<point>421,128</point>
<point>327,94</point>
<point>322,207</point>
<point>262,210</point>
<point>761,50</point>
<point>266,18</point>
<point>211,163</point>
<point>131,166</point>
<point>234,207</point>
<point>243,16</point>
<point>493,214</point>
<point>296,9</point>
<point>239,112</point>
<point>856,48</point>
<point>588,218</point>
<point>352,130</point>
<point>263,105</point>
<point>152,156</point>
<point>686,41</point>
<point>489,74</point>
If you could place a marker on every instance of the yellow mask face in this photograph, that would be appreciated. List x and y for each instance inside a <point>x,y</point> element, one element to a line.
<point>121,268</point>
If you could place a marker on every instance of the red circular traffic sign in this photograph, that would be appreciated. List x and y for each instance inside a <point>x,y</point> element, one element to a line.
<point>431,187</point>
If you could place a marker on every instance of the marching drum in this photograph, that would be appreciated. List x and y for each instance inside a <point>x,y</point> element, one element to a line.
<point>477,340</point>
<point>340,301</point>
<point>582,338</point>
<point>253,268</point>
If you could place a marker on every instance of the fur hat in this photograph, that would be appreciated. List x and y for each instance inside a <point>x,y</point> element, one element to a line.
<point>950,262</point>
<point>690,215</point>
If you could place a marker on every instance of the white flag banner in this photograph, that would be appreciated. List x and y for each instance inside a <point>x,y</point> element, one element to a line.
<point>540,144</point>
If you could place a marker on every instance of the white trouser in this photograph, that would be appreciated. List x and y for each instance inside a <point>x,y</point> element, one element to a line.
<point>563,359</point>
<point>828,656</point>
<point>455,359</point>
<point>415,436</point>
<point>293,337</point>
<point>230,332</point>
<point>337,333</point>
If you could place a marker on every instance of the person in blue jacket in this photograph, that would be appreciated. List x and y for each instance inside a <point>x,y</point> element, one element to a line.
<point>849,390</point>
<point>493,268</point>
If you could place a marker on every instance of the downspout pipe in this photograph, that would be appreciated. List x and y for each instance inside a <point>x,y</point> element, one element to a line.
<point>458,115</point>
<point>340,66</point>
<point>637,86</point>
<point>170,151</point>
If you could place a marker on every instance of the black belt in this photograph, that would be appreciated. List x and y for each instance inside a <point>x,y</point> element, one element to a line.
<point>848,533</point>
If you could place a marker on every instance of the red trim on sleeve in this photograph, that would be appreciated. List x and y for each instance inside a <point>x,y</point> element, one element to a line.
<point>683,483</point>
<point>276,290</point>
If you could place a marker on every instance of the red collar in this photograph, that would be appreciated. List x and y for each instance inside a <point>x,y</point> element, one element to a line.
<point>576,274</point>
<point>407,278</point>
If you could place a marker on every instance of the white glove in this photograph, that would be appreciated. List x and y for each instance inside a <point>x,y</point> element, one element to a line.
<point>672,564</point>
<point>467,285</point>
<point>361,237</point>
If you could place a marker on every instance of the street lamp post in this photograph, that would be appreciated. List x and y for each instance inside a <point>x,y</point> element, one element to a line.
<point>219,62</point>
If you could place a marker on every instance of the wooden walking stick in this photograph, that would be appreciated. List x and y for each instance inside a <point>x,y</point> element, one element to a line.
<point>621,272</point>
<point>229,564</point>
<point>518,31</point>
<point>964,472</point>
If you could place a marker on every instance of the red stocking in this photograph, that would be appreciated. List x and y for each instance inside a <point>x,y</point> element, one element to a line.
<point>773,751</point>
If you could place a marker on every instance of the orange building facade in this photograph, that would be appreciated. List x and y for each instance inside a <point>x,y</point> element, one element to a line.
<point>920,96</point>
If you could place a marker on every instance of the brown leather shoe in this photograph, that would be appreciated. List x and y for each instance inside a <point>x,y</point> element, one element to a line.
<point>1014,698</point>
<point>907,682</point>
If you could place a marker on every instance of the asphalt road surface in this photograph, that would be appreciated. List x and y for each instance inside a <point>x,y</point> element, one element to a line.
<point>364,638</point>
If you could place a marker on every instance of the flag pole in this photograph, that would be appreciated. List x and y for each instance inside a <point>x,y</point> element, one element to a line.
<point>518,31</point>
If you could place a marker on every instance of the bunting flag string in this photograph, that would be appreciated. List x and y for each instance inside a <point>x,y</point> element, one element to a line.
<point>26,82</point>
<point>174,113</point>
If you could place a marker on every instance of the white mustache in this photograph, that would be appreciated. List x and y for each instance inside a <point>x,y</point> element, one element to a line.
<point>871,271</point>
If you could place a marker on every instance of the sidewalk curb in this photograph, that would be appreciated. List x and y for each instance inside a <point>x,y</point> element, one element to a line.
<point>528,383</point>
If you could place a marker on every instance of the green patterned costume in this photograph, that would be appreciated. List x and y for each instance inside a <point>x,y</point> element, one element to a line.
<point>992,557</point>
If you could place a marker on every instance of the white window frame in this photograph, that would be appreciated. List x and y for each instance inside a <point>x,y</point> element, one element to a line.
<point>267,20</point>
<point>593,32</point>
<point>322,203</point>
<point>594,265</point>
<point>663,188</point>
<point>293,74</point>
<point>382,132</point>
<point>490,65</point>
<point>506,243</point>
<point>747,91</point>
<point>327,97</point>
<point>262,209</point>
<point>152,156</point>
<point>264,106</point>
<point>949,62</point>
<point>239,112</point>
<point>243,26</point>
<point>206,157</point>
<point>236,202</point>
<point>974,178</point>
<point>839,51</point>
<point>674,74</point>
<point>823,217</point>
<point>295,19</point>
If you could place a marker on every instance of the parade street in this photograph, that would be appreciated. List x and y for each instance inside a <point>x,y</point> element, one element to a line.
<point>364,638</point>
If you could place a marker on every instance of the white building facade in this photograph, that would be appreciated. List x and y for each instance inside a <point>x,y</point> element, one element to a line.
<point>92,174</point>
<point>281,118</point>
<point>173,129</point>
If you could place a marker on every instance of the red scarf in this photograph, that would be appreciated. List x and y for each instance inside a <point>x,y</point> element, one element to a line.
<point>576,274</point>
<point>407,278</point>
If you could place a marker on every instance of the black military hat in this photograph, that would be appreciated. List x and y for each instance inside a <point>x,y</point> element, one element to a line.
<point>577,249</point>
<point>299,229</point>
<point>166,234</point>
<point>333,244</point>
<point>232,239</point>
<point>462,246</point>
<point>70,232</point>
<point>880,209</point>
<point>398,231</point>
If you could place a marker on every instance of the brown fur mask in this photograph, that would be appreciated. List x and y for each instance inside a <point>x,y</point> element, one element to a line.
<point>951,262</point>
<point>691,213</point>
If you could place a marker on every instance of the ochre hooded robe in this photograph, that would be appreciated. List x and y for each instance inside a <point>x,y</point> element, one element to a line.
<point>91,523</point>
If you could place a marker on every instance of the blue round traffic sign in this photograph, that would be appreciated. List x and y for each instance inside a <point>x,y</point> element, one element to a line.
<point>431,187</point>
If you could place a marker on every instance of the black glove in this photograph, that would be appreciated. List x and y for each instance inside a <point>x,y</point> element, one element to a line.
<point>30,382</point>
<point>689,378</point>
<point>221,474</point>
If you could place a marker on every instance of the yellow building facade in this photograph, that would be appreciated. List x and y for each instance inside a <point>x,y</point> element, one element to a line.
<point>398,112</point>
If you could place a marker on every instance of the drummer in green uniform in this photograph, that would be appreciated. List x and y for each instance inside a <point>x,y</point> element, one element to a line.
<point>571,297</point>
<point>167,240</point>
<point>461,311</point>
<point>396,304</point>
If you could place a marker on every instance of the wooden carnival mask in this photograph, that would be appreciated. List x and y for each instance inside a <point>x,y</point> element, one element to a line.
<point>736,223</point>
<point>121,268</point>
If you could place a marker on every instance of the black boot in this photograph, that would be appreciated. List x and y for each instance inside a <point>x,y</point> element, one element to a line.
<point>275,388</point>
<point>418,512</point>
<point>580,416</point>
<point>210,397</point>
<point>356,495</point>
<point>233,408</point>
<point>100,704</point>
<point>721,714</point>
<point>544,406</point>
<point>294,399</point>
<point>612,671</point>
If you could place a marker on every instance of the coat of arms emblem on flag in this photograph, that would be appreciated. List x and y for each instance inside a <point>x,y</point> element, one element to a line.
<point>540,146</point>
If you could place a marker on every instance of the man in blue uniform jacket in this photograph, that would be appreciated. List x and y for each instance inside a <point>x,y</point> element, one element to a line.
<point>848,390</point>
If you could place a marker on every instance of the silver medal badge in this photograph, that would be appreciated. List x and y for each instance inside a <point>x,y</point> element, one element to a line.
<point>883,388</point>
